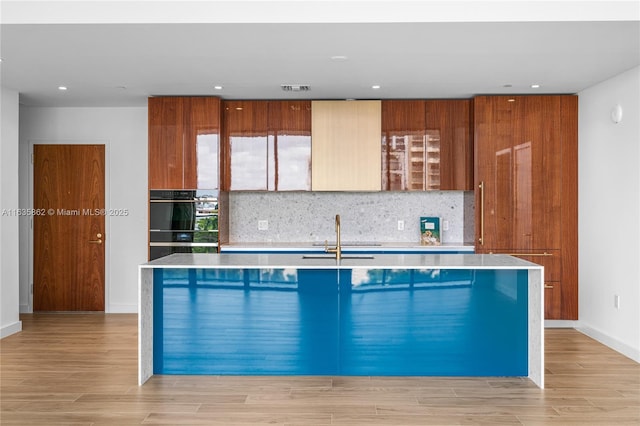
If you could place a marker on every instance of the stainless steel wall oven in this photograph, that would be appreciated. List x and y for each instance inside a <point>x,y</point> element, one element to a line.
<point>182,221</point>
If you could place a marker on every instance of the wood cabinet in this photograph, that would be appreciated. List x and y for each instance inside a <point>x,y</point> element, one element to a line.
<point>245,126</point>
<point>346,145</point>
<point>526,188</point>
<point>427,145</point>
<point>184,135</point>
<point>267,145</point>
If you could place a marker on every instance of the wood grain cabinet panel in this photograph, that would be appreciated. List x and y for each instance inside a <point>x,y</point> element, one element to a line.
<point>404,134</point>
<point>346,145</point>
<point>449,121</point>
<point>289,146</point>
<point>553,301</point>
<point>245,137</point>
<point>427,145</point>
<point>202,144</point>
<point>184,135</point>
<point>526,184</point>
<point>267,145</point>
<point>166,138</point>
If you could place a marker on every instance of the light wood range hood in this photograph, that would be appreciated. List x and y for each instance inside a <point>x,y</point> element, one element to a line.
<point>345,145</point>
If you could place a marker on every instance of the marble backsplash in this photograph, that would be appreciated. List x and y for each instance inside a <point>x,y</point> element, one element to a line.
<point>305,217</point>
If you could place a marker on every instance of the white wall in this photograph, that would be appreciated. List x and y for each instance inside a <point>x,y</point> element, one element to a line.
<point>124,133</point>
<point>9,315</point>
<point>609,213</point>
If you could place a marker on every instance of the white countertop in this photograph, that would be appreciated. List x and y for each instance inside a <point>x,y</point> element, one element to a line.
<point>346,247</point>
<point>376,261</point>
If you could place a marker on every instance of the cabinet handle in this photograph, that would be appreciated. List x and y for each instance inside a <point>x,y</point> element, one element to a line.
<point>548,286</point>
<point>481,238</point>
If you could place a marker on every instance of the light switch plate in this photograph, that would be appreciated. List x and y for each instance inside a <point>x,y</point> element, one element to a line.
<point>263,225</point>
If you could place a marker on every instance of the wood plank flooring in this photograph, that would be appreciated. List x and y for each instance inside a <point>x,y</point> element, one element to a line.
<point>81,369</point>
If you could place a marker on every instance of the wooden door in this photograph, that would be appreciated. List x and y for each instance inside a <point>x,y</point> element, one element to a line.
<point>68,257</point>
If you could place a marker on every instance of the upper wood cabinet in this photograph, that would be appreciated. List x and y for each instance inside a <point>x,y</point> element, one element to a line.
<point>184,135</point>
<point>346,145</point>
<point>245,144</point>
<point>267,145</point>
<point>526,188</point>
<point>451,122</point>
<point>290,145</point>
<point>427,145</point>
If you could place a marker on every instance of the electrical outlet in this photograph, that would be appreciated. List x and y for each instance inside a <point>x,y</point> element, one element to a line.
<point>401,225</point>
<point>616,301</point>
<point>445,225</point>
<point>263,225</point>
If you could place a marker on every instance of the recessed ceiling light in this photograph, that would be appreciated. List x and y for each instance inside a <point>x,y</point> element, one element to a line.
<point>375,86</point>
<point>511,100</point>
<point>63,88</point>
<point>535,86</point>
<point>217,87</point>
<point>339,58</point>
<point>239,108</point>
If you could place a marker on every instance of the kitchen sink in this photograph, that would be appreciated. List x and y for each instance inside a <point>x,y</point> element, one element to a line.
<point>332,256</point>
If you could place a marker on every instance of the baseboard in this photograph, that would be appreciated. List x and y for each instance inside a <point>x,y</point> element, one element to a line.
<point>122,308</point>
<point>10,329</point>
<point>561,324</point>
<point>609,341</point>
<point>24,309</point>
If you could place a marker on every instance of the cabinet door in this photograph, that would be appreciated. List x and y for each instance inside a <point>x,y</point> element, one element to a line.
<point>526,186</point>
<point>346,145</point>
<point>289,146</point>
<point>166,139</point>
<point>403,145</point>
<point>518,165</point>
<point>427,145</point>
<point>448,130</point>
<point>553,301</point>
<point>493,169</point>
<point>201,149</point>
<point>245,135</point>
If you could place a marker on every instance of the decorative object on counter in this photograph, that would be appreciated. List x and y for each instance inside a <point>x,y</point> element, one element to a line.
<point>430,231</point>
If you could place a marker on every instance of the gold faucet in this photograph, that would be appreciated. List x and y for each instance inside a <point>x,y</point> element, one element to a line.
<point>338,248</point>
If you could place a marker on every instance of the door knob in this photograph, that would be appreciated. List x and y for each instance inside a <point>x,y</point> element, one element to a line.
<point>95,241</point>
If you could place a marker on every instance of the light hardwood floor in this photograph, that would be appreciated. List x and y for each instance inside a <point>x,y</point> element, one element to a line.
<point>82,369</point>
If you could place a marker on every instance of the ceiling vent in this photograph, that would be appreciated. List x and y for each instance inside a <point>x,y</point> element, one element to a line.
<point>295,87</point>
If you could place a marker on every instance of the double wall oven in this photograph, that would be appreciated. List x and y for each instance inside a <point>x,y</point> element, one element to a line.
<point>183,221</point>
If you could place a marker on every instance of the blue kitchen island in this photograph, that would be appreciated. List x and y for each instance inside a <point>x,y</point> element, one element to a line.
<point>379,315</point>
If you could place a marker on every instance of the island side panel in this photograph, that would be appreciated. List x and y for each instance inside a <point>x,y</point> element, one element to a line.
<point>536,326</point>
<point>145,324</point>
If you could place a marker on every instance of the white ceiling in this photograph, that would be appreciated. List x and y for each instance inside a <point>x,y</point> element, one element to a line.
<point>111,64</point>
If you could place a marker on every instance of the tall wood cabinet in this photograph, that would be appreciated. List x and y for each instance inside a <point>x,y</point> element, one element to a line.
<point>427,145</point>
<point>526,188</point>
<point>267,145</point>
<point>184,135</point>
